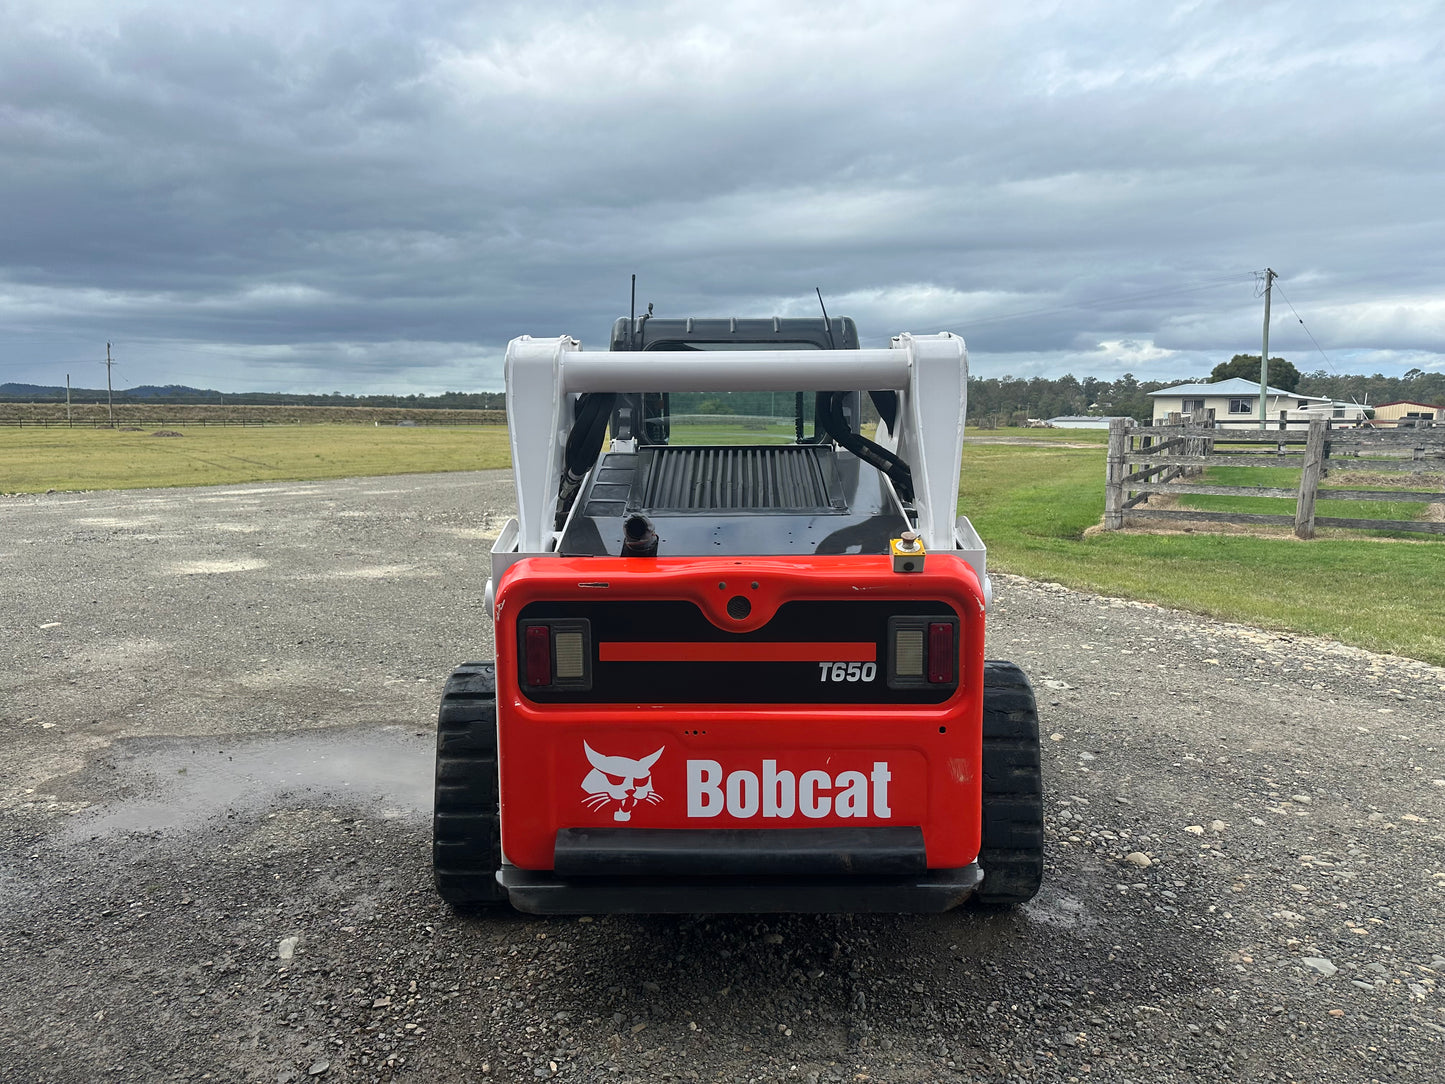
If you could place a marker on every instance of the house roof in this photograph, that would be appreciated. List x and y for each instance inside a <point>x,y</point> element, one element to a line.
<point>1411,402</point>
<point>1233,386</point>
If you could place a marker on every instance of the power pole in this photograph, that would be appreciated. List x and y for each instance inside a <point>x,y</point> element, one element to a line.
<point>110,403</point>
<point>1269,277</point>
<point>68,422</point>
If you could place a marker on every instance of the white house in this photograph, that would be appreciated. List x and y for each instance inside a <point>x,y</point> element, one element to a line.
<point>1235,403</point>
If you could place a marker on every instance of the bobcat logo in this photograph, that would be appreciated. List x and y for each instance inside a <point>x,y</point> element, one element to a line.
<point>619,779</point>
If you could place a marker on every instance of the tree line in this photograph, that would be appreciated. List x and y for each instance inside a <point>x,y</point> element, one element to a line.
<point>992,401</point>
<point>1010,400</point>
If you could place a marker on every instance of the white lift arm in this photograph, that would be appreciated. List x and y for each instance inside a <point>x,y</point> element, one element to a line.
<point>930,373</point>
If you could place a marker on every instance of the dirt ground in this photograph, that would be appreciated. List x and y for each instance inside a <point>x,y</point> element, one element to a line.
<point>217,710</point>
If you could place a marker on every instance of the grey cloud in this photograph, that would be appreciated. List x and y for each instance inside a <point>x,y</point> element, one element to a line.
<point>304,188</point>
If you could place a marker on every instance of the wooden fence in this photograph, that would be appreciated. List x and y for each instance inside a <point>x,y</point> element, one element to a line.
<point>1160,460</point>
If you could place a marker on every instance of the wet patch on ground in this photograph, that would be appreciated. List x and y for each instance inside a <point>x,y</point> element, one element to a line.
<point>173,785</point>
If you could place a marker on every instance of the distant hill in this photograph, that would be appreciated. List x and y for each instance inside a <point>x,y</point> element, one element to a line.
<point>170,391</point>
<point>29,391</point>
<point>144,391</point>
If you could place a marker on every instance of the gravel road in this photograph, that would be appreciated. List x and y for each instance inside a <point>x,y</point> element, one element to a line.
<point>217,714</point>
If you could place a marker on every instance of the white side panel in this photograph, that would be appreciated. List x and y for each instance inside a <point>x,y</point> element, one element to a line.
<point>930,430</point>
<point>970,547</point>
<point>505,554</point>
<point>538,418</point>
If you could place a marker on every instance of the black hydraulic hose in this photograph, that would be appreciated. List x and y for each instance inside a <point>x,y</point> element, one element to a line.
<point>866,450</point>
<point>584,445</point>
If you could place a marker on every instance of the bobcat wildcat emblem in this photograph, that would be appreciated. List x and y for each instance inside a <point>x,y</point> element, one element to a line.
<point>619,779</point>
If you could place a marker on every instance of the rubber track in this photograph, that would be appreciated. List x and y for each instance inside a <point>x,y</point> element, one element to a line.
<point>466,832</point>
<point>1012,855</point>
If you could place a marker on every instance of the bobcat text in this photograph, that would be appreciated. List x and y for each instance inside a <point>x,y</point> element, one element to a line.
<point>783,794</point>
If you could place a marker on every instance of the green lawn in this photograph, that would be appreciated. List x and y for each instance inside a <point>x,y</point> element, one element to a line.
<point>34,460</point>
<point>1289,478</point>
<point>1041,436</point>
<point>725,432</point>
<point>1033,505</point>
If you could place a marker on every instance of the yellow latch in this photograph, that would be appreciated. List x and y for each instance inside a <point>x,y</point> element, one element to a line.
<point>908,552</point>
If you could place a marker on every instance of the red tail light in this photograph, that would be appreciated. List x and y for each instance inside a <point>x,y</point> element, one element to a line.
<point>555,655</point>
<point>539,655</point>
<point>922,652</point>
<point>940,653</point>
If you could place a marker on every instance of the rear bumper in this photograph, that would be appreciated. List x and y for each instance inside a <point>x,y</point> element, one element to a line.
<point>747,871</point>
<point>746,853</point>
<point>546,893</point>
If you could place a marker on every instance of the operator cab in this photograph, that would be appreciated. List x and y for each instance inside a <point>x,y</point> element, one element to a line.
<point>738,472</point>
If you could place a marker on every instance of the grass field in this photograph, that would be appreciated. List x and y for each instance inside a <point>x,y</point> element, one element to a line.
<point>157,413</point>
<point>1038,436</point>
<point>35,460</point>
<point>1033,505</point>
<point>1290,478</point>
<point>722,431</point>
<point>1031,499</point>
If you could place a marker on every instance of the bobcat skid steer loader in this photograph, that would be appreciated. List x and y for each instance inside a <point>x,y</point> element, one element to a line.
<point>739,657</point>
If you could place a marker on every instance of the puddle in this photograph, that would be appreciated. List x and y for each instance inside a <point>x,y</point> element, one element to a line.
<point>187,781</point>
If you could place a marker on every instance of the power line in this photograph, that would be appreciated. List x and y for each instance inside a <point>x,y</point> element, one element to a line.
<point>1302,324</point>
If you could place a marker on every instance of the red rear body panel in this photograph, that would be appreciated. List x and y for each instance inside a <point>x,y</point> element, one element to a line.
<point>722,721</point>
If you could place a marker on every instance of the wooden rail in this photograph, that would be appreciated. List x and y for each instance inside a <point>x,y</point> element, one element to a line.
<point>1142,462</point>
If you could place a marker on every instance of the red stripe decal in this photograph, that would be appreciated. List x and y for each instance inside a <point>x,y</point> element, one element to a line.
<point>658,651</point>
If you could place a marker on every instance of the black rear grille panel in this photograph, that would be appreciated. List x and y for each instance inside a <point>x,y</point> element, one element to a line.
<point>671,622</point>
<point>779,499</point>
<point>784,478</point>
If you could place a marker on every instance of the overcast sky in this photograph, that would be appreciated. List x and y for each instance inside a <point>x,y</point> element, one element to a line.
<point>374,197</point>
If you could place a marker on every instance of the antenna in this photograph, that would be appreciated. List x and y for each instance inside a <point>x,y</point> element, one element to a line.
<point>632,314</point>
<point>827,324</point>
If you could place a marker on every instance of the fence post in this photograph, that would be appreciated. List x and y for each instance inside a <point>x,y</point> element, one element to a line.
<point>1309,480</point>
<point>1114,464</point>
